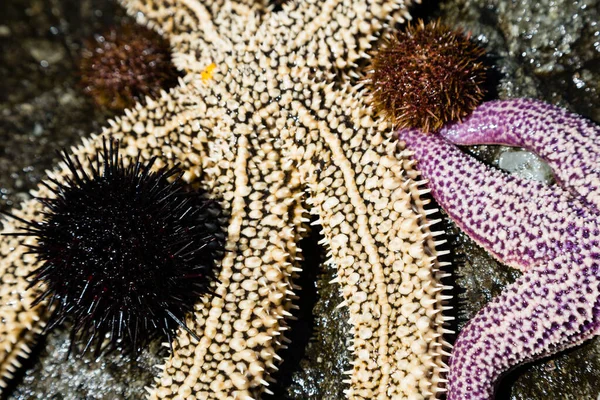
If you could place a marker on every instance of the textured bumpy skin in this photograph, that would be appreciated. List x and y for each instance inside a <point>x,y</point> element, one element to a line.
<point>20,323</point>
<point>570,144</point>
<point>552,234</point>
<point>264,122</point>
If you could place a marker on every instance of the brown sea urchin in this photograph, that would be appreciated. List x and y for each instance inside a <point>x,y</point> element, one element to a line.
<point>124,250</point>
<point>426,76</point>
<point>125,64</point>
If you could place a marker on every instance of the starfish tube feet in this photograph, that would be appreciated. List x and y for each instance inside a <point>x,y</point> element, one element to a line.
<point>569,143</point>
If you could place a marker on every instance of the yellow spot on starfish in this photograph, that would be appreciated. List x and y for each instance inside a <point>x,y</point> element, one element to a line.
<point>208,72</point>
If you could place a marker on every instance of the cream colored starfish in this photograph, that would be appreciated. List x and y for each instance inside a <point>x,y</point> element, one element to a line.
<point>267,119</point>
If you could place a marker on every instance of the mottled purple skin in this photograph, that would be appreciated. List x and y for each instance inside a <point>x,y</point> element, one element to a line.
<point>546,231</point>
<point>521,222</point>
<point>569,143</point>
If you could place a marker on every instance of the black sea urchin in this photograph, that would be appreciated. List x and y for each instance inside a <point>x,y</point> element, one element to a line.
<point>124,250</point>
<point>124,65</point>
<point>426,76</point>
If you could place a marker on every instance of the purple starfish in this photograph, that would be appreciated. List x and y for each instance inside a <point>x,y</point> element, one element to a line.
<point>570,144</point>
<point>551,233</point>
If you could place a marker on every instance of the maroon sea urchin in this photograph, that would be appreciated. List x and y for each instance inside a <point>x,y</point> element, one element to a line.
<point>124,250</point>
<point>426,76</point>
<point>124,65</point>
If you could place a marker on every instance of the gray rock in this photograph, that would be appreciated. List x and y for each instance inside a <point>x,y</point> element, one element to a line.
<point>545,49</point>
<point>526,165</point>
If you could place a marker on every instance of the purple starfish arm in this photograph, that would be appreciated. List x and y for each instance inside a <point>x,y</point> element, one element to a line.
<point>550,308</point>
<point>551,235</point>
<point>520,222</point>
<point>569,143</point>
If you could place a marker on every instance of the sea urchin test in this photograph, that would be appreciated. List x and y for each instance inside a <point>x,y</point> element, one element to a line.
<point>425,76</point>
<point>124,65</point>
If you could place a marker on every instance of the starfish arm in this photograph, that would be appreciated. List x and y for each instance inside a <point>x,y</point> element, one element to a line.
<point>520,222</point>
<point>332,35</point>
<point>369,205</point>
<point>568,142</point>
<point>20,322</point>
<point>551,308</point>
<point>242,328</point>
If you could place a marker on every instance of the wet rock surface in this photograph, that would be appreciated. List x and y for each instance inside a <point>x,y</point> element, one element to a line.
<point>547,49</point>
<point>42,106</point>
